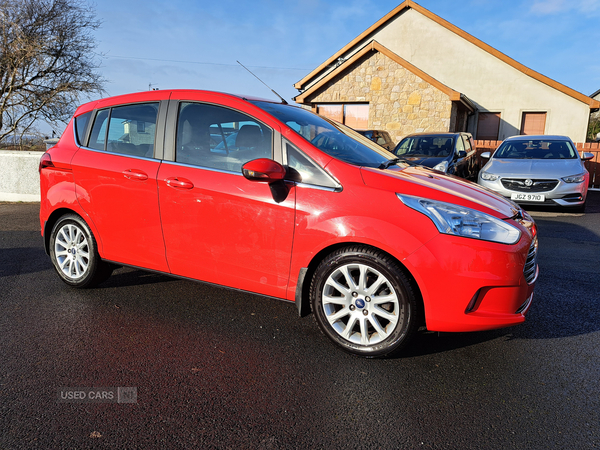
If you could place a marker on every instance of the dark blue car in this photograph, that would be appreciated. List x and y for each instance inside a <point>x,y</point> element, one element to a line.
<point>452,153</point>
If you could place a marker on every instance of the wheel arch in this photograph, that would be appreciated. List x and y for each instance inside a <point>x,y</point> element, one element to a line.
<point>306,274</point>
<point>55,216</point>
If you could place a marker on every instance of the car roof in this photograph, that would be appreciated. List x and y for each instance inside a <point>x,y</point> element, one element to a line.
<point>538,137</point>
<point>163,94</point>
<point>436,133</point>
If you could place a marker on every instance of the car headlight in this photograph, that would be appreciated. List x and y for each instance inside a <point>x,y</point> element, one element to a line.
<point>575,178</point>
<point>442,167</point>
<point>465,222</point>
<point>488,176</point>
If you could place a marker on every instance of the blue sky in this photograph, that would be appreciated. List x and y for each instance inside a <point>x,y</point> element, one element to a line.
<point>195,44</point>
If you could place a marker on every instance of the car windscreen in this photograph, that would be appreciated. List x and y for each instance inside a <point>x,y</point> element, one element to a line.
<point>425,146</point>
<point>335,139</point>
<point>536,149</point>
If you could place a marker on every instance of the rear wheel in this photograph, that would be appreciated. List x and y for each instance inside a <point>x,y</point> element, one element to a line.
<point>74,253</point>
<point>363,301</point>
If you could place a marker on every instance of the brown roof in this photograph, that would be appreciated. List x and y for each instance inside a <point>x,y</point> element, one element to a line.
<point>594,104</point>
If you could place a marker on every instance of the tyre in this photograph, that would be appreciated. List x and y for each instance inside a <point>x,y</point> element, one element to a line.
<point>363,301</point>
<point>74,253</point>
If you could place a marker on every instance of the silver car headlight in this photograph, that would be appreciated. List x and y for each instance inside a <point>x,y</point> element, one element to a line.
<point>442,167</point>
<point>488,176</point>
<point>575,178</point>
<point>460,221</point>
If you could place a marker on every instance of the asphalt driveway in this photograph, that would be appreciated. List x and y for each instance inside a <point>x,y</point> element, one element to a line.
<point>215,368</point>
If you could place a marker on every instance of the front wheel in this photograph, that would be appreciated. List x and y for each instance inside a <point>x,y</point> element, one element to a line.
<point>74,254</point>
<point>363,301</point>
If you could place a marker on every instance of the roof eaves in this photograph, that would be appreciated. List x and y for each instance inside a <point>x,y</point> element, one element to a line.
<point>377,47</point>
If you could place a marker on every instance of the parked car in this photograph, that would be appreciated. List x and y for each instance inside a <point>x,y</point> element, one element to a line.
<point>380,137</point>
<point>452,153</point>
<point>302,209</point>
<point>538,170</point>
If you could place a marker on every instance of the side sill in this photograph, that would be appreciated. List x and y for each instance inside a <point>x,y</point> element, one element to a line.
<point>119,264</point>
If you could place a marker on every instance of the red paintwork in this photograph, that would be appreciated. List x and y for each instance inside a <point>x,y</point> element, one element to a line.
<point>226,229</point>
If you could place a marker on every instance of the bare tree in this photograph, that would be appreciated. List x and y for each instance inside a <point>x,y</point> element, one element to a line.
<point>47,61</point>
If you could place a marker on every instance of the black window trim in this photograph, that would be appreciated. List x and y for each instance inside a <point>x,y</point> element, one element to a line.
<point>86,132</point>
<point>338,186</point>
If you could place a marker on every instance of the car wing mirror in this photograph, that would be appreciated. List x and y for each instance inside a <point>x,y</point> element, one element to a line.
<point>462,154</point>
<point>587,156</point>
<point>486,155</point>
<point>263,170</point>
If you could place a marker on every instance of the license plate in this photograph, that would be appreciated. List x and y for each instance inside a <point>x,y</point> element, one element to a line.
<point>528,197</point>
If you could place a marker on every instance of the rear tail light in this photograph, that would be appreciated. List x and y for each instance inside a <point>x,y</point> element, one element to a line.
<point>45,161</point>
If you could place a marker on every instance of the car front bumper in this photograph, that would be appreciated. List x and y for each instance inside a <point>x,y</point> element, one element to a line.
<point>564,194</point>
<point>472,285</point>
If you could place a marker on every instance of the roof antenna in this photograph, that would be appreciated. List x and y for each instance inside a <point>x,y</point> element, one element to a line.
<point>282,99</point>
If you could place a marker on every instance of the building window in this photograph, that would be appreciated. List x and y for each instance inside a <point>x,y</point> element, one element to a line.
<point>533,123</point>
<point>488,126</point>
<point>354,115</point>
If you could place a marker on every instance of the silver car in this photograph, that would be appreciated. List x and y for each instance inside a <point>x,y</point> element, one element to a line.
<point>545,170</point>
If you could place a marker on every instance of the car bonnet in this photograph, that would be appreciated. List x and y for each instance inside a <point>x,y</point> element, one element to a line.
<point>426,183</point>
<point>534,168</point>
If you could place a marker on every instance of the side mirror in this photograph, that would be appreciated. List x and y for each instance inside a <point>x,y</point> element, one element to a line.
<point>486,155</point>
<point>263,169</point>
<point>462,154</point>
<point>587,156</point>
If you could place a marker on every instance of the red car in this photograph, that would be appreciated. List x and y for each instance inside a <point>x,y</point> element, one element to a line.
<point>272,199</point>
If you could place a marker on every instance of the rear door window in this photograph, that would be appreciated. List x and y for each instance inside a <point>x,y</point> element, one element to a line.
<point>128,130</point>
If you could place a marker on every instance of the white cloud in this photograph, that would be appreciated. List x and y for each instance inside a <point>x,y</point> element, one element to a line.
<point>546,7</point>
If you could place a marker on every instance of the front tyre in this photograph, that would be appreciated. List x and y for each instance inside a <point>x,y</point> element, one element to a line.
<point>363,301</point>
<point>74,253</point>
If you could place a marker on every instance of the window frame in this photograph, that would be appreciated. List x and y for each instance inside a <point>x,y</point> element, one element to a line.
<point>170,134</point>
<point>334,185</point>
<point>159,132</point>
<point>343,107</point>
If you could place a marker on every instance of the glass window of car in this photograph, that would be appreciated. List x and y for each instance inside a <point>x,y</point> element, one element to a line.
<point>468,146</point>
<point>536,149</point>
<point>220,138</point>
<point>436,146</point>
<point>332,138</point>
<point>128,130</point>
<point>460,145</point>
<point>81,126</point>
<point>98,135</point>
<point>306,171</point>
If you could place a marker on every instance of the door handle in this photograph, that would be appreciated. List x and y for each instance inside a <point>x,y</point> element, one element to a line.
<point>135,174</point>
<point>179,183</point>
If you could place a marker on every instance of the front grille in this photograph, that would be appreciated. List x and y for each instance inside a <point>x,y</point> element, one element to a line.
<point>530,269</point>
<point>528,185</point>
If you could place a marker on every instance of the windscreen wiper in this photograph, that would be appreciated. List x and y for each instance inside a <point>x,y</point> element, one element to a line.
<point>389,162</point>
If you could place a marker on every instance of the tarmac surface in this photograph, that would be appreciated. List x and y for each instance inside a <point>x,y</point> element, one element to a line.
<point>215,368</point>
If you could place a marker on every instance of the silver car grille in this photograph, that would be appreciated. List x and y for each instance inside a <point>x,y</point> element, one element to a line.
<point>528,185</point>
<point>530,269</point>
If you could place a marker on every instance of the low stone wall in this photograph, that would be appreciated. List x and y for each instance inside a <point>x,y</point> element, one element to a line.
<point>19,176</point>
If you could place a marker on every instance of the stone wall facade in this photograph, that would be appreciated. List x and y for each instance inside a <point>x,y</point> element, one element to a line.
<point>399,101</point>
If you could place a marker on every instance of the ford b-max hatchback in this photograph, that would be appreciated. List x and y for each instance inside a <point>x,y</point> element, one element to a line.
<point>272,199</point>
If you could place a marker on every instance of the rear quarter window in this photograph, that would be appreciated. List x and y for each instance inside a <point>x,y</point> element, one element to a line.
<point>81,123</point>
